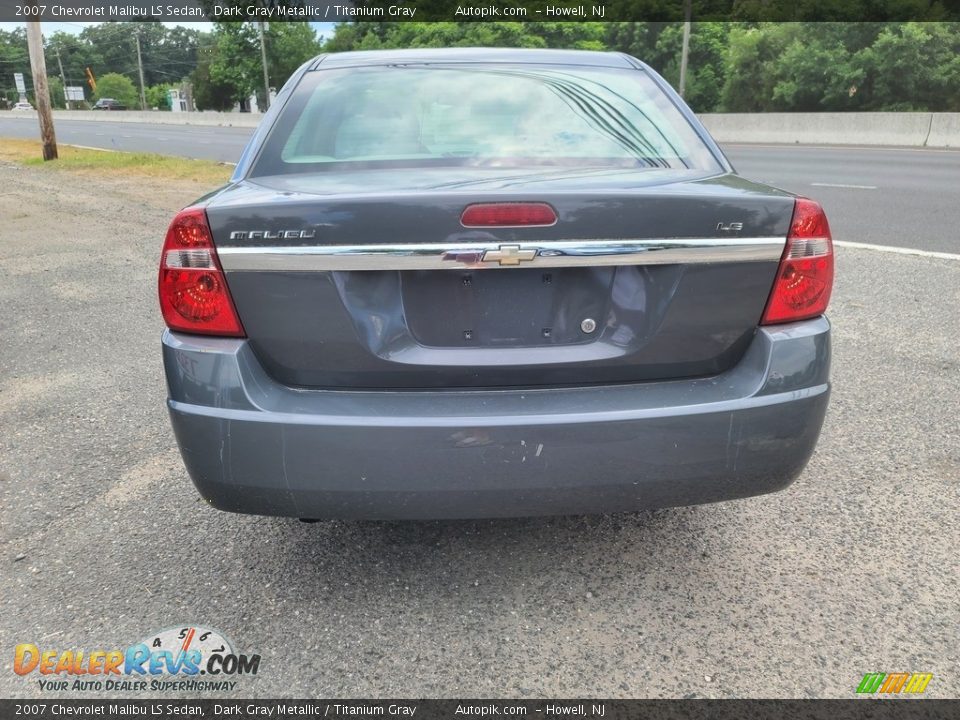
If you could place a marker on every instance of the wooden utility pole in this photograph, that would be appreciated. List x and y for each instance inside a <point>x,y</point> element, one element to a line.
<point>687,11</point>
<point>266,77</point>
<point>143,94</point>
<point>63,79</point>
<point>41,92</point>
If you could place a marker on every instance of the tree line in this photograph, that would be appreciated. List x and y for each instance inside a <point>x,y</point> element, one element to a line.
<point>733,66</point>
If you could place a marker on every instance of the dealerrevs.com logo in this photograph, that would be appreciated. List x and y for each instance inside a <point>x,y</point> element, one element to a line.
<point>189,658</point>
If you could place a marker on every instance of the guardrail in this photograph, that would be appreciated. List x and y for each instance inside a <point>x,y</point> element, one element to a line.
<point>909,129</point>
<point>219,119</point>
<point>916,129</point>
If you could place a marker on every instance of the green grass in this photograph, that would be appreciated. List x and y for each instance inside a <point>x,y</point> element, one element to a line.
<point>114,164</point>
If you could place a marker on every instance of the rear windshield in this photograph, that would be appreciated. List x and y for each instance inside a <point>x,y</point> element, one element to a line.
<point>479,115</point>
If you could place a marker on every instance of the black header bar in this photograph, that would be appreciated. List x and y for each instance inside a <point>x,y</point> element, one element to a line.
<point>484,709</point>
<point>476,10</point>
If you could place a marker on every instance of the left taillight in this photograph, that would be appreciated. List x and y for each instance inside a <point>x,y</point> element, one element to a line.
<point>194,296</point>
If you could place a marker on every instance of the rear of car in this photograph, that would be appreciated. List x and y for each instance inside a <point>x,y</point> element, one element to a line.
<point>483,283</point>
<point>109,104</point>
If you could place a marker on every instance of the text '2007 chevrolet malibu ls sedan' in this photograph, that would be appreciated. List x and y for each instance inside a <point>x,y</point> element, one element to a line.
<point>477,283</point>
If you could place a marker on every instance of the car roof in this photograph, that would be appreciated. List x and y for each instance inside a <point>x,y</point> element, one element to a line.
<point>475,55</point>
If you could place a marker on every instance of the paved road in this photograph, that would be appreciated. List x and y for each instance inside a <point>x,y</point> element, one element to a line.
<point>223,144</point>
<point>903,198</point>
<point>884,196</point>
<point>103,539</point>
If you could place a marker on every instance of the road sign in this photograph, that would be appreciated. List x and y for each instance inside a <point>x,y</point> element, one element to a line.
<point>74,93</point>
<point>18,79</point>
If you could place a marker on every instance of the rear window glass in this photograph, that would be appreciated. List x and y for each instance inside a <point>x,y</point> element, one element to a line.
<point>479,115</point>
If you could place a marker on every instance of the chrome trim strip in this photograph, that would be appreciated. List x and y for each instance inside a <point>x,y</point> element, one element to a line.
<point>446,256</point>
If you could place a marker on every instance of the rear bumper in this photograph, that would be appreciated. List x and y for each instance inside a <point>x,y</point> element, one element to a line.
<point>253,445</point>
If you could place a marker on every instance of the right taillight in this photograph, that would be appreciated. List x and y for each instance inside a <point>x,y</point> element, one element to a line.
<point>804,279</point>
<point>194,296</point>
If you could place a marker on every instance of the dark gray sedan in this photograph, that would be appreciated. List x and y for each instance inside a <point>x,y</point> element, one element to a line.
<point>475,283</point>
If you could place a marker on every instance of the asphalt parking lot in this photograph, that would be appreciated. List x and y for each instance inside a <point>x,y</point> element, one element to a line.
<point>103,540</point>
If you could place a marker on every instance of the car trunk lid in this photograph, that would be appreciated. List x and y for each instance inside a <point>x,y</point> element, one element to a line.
<point>370,280</point>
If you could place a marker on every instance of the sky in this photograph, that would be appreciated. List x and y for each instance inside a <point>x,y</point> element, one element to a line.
<point>322,29</point>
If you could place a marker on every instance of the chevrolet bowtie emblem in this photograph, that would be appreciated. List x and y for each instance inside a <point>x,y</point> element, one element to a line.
<point>509,255</point>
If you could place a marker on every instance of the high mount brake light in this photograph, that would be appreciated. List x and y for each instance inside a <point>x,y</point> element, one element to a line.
<point>194,296</point>
<point>511,214</point>
<point>804,279</point>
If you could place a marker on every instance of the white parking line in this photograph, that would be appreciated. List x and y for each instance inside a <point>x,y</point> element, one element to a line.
<point>898,250</point>
<point>844,185</point>
<point>89,147</point>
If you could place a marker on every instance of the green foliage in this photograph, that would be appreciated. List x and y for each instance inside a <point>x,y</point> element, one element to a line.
<point>120,88</point>
<point>168,54</point>
<point>843,66</point>
<point>756,64</point>
<point>914,66</point>
<point>158,97</point>
<point>55,87</point>
<point>236,59</point>
<point>373,36</point>
<point>706,70</point>
<point>235,64</point>
<point>76,55</point>
<point>289,45</point>
<point>13,58</point>
<point>209,94</point>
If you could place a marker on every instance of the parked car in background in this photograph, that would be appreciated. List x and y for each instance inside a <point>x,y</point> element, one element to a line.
<point>23,106</point>
<point>491,282</point>
<point>109,104</point>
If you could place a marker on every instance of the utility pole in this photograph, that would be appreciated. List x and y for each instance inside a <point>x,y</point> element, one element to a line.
<point>263,59</point>
<point>63,79</point>
<point>687,11</point>
<point>143,95</point>
<point>38,66</point>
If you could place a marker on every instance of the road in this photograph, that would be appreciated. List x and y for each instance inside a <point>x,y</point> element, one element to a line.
<point>884,196</point>
<point>223,144</point>
<point>104,541</point>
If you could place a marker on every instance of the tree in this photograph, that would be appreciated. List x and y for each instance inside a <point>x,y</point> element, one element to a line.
<point>209,94</point>
<point>14,59</point>
<point>119,87</point>
<point>235,64</point>
<point>168,54</point>
<point>76,56</point>
<point>707,69</point>
<point>814,74</point>
<point>158,96</point>
<point>289,45</point>
<point>55,86</point>
<point>913,66</point>
<point>372,36</point>
<point>116,47</point>
<point>751,63</point>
